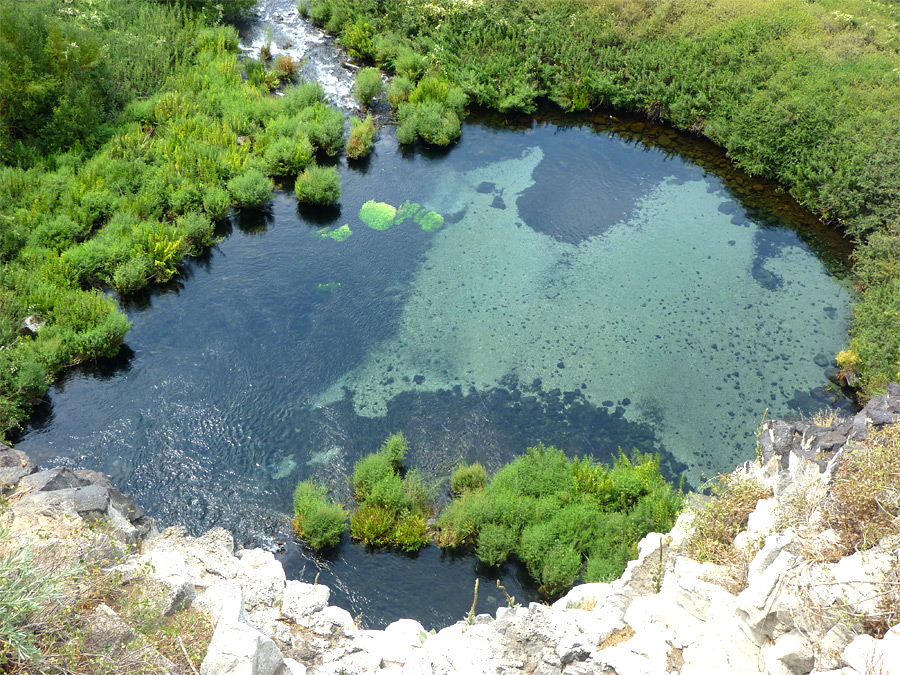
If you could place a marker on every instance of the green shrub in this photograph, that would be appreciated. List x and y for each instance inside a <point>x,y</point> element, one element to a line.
<point>410,64</point>
<point>431,121</point>
<point>368,86</point>
<point>361,140</point>
<point>133,274</point>
<point>251,188</point>
<point>399,91</point>
<point>468,478</point>
<point>393,509</point>
<point>318,185</point>
<point>324,126</point>
<point>317,520</point>
<point>554,513</point>
<point>288,156</point>
<point>195,231</point>
<point>216,202</point>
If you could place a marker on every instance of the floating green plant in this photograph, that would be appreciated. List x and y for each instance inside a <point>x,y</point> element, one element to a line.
<point>407,209</point>
<point>429,220</point>
<point>340,234</point>
<point>330,286</point>
<point>377,215</point>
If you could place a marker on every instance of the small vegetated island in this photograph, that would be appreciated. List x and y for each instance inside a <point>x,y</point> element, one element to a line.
<point>564,519</point>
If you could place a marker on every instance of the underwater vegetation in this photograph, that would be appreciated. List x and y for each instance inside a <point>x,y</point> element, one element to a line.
<point>377,215</point>
<point>381,216</point>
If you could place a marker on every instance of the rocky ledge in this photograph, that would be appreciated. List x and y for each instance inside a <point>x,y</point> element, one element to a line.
<point>782,605</point>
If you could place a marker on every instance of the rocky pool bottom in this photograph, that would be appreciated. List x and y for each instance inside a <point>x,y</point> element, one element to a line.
<point>667,613</point>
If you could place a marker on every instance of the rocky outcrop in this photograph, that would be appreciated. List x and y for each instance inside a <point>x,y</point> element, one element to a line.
<point>794,610</point>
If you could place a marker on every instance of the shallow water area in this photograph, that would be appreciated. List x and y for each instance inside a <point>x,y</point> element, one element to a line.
<point>585,290</point>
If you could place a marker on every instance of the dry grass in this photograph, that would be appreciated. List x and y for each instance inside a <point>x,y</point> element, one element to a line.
<point>864,502</point>
<point>618,636</point>
<point>716,525</point>
<point>65,631</point>
<point>826,418</point>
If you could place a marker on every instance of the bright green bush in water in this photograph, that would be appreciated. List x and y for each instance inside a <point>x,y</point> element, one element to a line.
<point>318,520</point>
<point>377,215</point>
<point>407,210</point>
<point>823,122</point>
<point>341,233</point>
<point>361,140</point>
<point>468,478</point>
<point>393,509</point>
<point>318,185</point>
<point>562,518</point>
<point>251,188</point>
<point>368,86</point>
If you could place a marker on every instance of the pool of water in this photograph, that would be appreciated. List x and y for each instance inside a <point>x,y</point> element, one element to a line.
<point>587,289</point>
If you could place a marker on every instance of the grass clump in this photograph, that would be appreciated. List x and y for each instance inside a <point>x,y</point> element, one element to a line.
<point>722,518</point>
<point>393,508</point>
<point>468,478</point>
<point>318,185</point>
<point>317,520</point>
<point>251,188</point>
<point>361,140</point>
<point>564,519</point>
<point>864,502</point>
<point>368,86</point>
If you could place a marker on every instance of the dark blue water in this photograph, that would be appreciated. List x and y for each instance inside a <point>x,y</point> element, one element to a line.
<point>585,290</point>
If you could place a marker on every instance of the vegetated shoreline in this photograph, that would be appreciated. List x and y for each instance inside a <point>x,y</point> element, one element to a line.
<point>78,213</point>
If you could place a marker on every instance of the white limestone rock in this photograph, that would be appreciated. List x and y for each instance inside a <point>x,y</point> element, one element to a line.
<point>300,600</point>
<point>239,649</point>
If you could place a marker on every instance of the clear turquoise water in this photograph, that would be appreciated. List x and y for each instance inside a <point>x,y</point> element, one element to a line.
<point>586,290</point>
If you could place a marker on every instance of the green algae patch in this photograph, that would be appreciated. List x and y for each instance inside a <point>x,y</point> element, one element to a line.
<point>377,215</point>
<point>339,234</point>
<point>429,220</point>
<point>407,209</point>
<point>330,286</point>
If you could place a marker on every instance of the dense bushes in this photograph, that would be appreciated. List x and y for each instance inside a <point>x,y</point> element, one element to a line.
<point>802,92</point>
<point>393,509</point>
<point>562,518</point>
<point>196,142</point>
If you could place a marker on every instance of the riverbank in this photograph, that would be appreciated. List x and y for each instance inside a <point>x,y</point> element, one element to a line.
<point>790,568</point>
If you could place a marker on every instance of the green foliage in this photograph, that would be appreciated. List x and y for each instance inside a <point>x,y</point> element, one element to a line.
<point>429,220</point>
<point>399,91</point>
<point>368,86</point>
<point>116,199</point>
<point>468,478</point>
<point>377,215</point>
<point>324,126</point>
<point>24,589</point>
<point>562,518</point>
<point>361,140</point>
<point>430,121</point>
<point>288,156</point>
<point>318,185</point>
<point>393,509</point>
<point>317,520</point>
<point>251,188</point>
